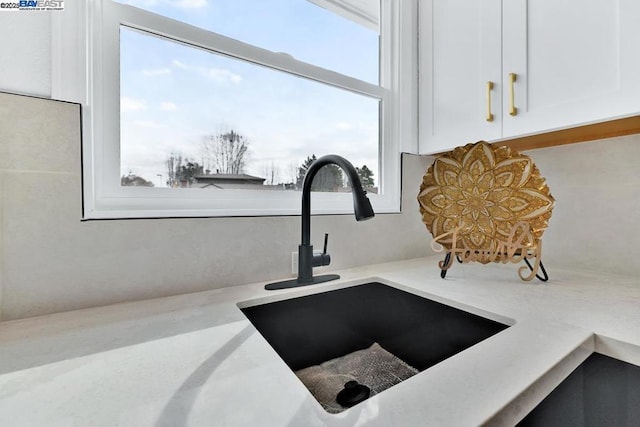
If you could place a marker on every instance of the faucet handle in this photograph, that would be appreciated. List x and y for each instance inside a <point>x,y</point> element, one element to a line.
<point>326,241</point>
<point>320,259</point>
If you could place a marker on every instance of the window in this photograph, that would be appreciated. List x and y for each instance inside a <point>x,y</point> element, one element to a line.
<point>299,28</point>
<point>251,122</point>
<point>214,107</point>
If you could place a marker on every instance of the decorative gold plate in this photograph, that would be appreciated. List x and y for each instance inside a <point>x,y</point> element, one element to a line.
<point>486,193</point>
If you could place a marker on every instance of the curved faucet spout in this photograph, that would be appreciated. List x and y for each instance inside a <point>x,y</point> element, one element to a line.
<point>361,204</point>
<point>306,258</point>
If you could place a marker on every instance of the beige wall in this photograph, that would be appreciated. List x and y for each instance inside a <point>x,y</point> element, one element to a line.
<point>595,222</point>
<point>51,261</point>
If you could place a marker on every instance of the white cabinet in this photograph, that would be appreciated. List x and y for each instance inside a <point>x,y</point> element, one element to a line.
<point>460,52</point>
<point>574,62</point>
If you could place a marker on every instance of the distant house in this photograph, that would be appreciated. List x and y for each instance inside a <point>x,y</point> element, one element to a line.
<point>229,181</point>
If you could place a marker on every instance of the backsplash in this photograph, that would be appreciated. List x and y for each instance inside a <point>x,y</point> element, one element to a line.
<point>52,262</point>
<point>595,219</point>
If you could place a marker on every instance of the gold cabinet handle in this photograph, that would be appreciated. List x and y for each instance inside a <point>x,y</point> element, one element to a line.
<point>489,113</point>
<point>513,111</point>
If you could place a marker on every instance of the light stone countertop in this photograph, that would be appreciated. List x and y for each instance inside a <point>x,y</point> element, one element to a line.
<point>195,360</point>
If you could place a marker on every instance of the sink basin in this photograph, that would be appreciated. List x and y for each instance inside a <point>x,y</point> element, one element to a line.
<point>313,329</point>
<point>602,391</point>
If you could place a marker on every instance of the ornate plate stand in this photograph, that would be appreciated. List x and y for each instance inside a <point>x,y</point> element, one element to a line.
<point>487,204</point>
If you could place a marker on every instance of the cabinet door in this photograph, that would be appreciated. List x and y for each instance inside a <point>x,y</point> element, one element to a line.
<point>576,61</point>
<point>460,52</point>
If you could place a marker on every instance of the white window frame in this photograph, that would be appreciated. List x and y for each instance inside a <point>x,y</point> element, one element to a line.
<point>94,25</point>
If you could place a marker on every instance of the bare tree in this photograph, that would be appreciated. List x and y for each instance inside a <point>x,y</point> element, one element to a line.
<point>271,173</point>
<point>182,172</point>
<point>174,163</point>
<point>226,152</point>
<point>292,171</point>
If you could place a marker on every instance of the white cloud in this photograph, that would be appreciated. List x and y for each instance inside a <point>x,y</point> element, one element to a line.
<point>192,4</point>
<point>147,124</point>
<point>221,75</point>
<point>179,64</point>
<point>157,72</point>
<point>129,104</point>
<point>344,126</point>
<point>168,106</point>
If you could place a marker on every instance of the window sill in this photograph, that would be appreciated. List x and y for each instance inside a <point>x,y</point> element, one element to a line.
<point>141,204</point>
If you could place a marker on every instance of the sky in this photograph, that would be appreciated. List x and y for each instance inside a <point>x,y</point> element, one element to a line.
<point>173,96</point>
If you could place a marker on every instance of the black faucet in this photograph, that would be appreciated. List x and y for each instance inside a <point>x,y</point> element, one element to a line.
<point>306,259</point>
